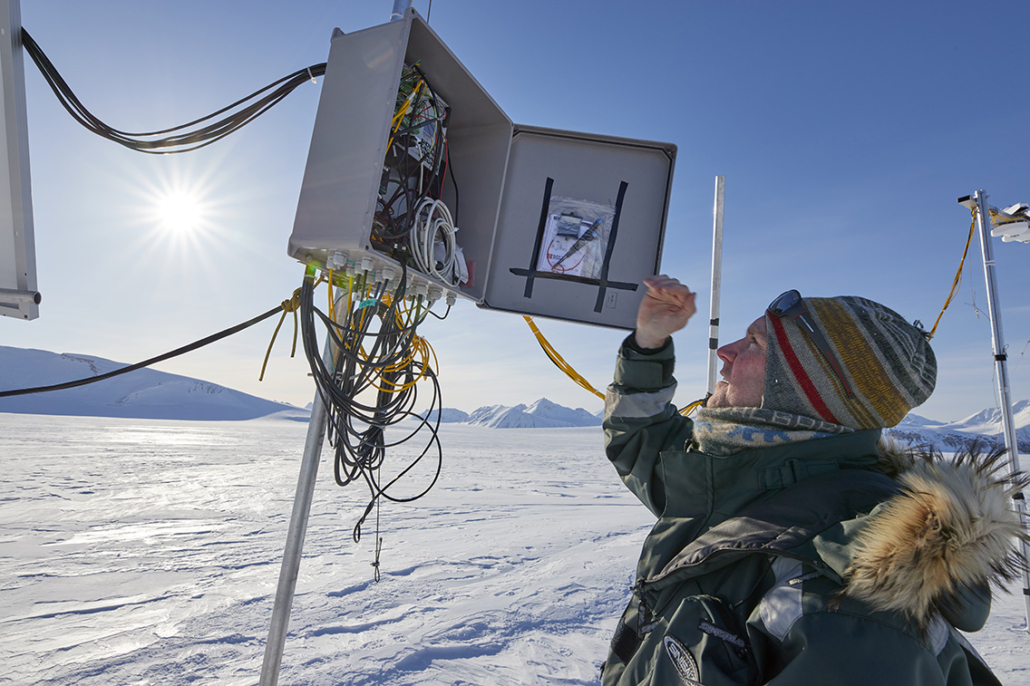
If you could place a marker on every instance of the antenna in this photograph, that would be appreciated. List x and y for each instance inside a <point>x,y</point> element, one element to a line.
<point>713,324</point>
<point>1011,224</point>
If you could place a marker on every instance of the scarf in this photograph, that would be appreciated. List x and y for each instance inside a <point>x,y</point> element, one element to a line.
<point>725,431</point>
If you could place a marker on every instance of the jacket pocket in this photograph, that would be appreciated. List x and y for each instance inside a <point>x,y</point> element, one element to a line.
<point>703,644</point>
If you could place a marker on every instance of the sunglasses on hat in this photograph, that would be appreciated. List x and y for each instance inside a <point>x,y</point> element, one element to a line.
<point>789,304</point>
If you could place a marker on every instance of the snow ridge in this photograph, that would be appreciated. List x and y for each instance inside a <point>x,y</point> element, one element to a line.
<point>141,394</point>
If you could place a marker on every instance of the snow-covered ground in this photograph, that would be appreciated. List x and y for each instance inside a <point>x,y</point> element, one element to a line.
<point>147,552</point>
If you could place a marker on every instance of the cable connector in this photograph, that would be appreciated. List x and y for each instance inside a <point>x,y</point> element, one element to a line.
<point>451,299</point>
<point>367,264</point>
<point>435,293</point>
<point>336,260</point>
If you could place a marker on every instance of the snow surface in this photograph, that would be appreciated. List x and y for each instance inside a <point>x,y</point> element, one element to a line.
<point>147,552</point>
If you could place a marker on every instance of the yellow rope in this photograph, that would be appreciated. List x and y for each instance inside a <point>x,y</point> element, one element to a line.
<point>958,279</point>
<point>290,305</point>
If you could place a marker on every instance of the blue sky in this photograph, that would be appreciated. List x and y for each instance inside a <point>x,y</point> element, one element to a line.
<point>845,131</point>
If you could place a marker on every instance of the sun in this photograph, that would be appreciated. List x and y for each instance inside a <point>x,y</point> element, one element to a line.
<point>179,212</point>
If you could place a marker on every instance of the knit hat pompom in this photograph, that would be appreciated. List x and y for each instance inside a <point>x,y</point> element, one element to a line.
<point>887,362</point>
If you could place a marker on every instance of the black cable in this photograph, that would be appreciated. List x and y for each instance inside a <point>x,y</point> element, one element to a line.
<point>450,172</point>
<point>146,363</point>
<point>446,312</point>
<point>177,143</point>
<point>390,371</point>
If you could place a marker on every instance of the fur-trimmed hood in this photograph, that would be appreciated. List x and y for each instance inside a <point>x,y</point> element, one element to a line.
<point>938,546</point>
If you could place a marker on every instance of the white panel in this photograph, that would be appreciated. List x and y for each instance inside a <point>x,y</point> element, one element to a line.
<point>18,296</point>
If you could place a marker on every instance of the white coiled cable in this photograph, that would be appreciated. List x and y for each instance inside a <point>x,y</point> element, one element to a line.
<point>433,219</point>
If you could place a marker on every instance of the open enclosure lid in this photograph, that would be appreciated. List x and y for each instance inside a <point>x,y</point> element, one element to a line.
<point>581,223</point>
<point>18,296</point>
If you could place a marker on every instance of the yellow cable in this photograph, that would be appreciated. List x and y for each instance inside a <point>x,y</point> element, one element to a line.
<point>419,346</point>
<point>958,278</point>
<point>559,361</point>
<point>399,116</point>
<point>686,411</point>
<point>332,305</point>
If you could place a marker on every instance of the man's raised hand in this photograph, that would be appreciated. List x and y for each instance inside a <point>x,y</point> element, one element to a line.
<point>666,307</point>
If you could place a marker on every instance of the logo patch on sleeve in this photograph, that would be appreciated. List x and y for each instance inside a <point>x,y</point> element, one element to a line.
<point>683,661</point>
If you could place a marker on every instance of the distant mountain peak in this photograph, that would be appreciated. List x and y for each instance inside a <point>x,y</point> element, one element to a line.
<point>543,413</point>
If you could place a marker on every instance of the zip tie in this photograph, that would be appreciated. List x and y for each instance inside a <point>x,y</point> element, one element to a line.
<point>312,76</point>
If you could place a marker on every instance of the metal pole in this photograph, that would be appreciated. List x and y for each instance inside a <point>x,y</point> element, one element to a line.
<point>983,219</point>
<point>294,545</point>
<point>8,295</point>
<point>399,7</point>
<point>713,329</point>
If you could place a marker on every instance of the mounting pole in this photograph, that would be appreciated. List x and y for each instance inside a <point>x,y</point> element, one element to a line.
<point>294,544</point>
<point>984,224</point>
<point>10,296</point>
<point>399,8</point>
<point>713,328</point>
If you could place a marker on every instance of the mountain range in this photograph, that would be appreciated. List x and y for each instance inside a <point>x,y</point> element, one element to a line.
<point>542,414</point>
<point>150,394</point>
<point>950,436</point>
<point>914,429</point>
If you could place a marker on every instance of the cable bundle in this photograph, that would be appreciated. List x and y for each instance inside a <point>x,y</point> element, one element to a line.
<point>417,162</point>
<point>369,382</point>
<point>186,137</point>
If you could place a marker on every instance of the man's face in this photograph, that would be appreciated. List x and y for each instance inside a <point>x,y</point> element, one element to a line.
<point>743,370</point>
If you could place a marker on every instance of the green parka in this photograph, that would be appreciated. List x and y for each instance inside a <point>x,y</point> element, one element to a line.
<point>745,577</point>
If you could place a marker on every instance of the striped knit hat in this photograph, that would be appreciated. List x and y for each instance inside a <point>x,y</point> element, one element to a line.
<point>887,361</point>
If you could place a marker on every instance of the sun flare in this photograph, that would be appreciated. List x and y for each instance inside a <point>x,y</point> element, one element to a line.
<point>179,212</point>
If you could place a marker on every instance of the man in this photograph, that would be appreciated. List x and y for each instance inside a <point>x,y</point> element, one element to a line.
<point>792,546</point>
